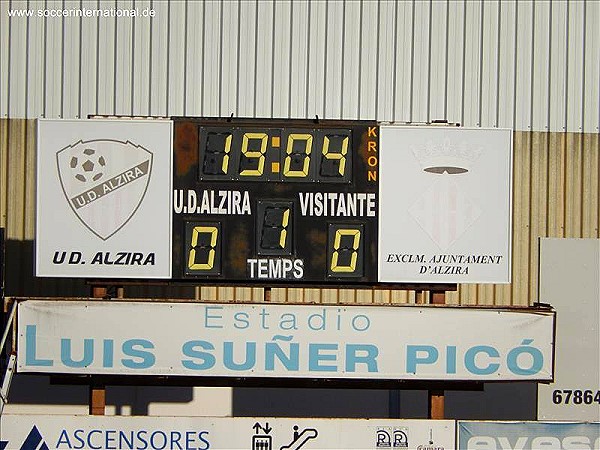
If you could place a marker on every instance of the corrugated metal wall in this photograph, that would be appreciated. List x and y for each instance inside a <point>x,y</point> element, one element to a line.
<point>530,66</point>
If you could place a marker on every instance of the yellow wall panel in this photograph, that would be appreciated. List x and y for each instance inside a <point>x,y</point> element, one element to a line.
<point>329,296</point>
<point>590,191</point>
<point>573,182</point>
<point>556,183</point>
<point>30,165</point>
<point>502,295</point>
<point>3,172</point>
<point>17,179</point>
<point>467,295</point>
<point>521,217</point>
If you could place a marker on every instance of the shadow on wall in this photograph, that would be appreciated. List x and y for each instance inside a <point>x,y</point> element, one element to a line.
<point>497,401</point>
<point>37,390</point>
<point>309,402</point>
<point>501,401</point>
<point>22,282</point>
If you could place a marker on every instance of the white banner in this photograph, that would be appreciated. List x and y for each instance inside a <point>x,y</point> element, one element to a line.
<point>104,198</point>
<point>203,433</point>
<point>276,340</point>
<point>570,282</point>
<point>445,204</point>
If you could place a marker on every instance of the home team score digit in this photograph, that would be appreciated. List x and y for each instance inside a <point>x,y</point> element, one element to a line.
<point>280,200</point>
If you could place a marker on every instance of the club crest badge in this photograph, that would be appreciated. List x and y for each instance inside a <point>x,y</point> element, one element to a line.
<point>445,211</point>
<point>104,182</point>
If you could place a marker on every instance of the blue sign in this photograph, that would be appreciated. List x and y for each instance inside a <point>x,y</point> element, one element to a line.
<point>528,435</point>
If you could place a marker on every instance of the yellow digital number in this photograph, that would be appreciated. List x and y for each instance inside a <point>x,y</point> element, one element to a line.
<point>284,223</point>
<point>336,246</point>
<point>196,232</point>
<point>341,155</point>
<point>308,139</point>
<point>216,153</point>
<point>253,154</point>
<point>275,228</point>
<point>225,164</point>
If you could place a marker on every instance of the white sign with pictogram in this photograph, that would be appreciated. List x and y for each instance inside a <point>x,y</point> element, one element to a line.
<point>33,432</point>
<point>103,198</point>
<point>445,204</point>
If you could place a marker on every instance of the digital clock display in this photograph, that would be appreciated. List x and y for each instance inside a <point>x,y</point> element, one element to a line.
<point>275,201</point>
<point>275,154</point>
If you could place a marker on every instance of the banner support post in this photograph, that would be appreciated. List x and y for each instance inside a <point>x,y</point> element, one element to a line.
<point>97,392</point>
<point>436,396</point>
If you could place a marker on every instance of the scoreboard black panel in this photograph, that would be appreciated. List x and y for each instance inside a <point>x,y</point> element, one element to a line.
<point>275,201</point>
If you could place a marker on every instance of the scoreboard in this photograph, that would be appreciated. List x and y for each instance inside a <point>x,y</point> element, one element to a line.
<point>288,200</point>
<point>273,201</point>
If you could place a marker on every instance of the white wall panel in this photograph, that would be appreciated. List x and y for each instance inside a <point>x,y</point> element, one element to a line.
<point>159,59</point>
<point>472,64</point>
<point>53,56</point>
<point>247,59</point>
<point>315,61</point>
<point>591,107</point>
<point>262,94</point>
<point>454,72</point>
<point>505,99</point>
<point>368,54</point>
<point>575,65</point>
<point>35,67</point>
<point>124,57</point>
<point>523,73</point>
<point>404,56</point>
<point>140,83</point>
<point>420,62</point>
<point>210,53</point>
<point>298,58</point>
<point>176,58</point>
<point>17,70</point>
<point>386,66</point>
<point>334,69</point>
<point>195,57</point>
<point>528,65</point>
<point>438,61</point>
<point>488,88</point>
<point>71,68</point>
<point>230,57</point>
<point>5,22</point>
<point>282,58</point>
<point>90,42</point>
<point>349,82</point>
<point>539,66</point>
<point>558,66</point>
<point>68,71</point>
<point>106,59</point>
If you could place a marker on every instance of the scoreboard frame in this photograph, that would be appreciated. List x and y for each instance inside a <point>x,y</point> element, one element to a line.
<point>279,202</point>
<point>275,201</point>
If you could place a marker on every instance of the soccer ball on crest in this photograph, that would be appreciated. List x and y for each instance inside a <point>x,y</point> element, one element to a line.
<point>88,165</point>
